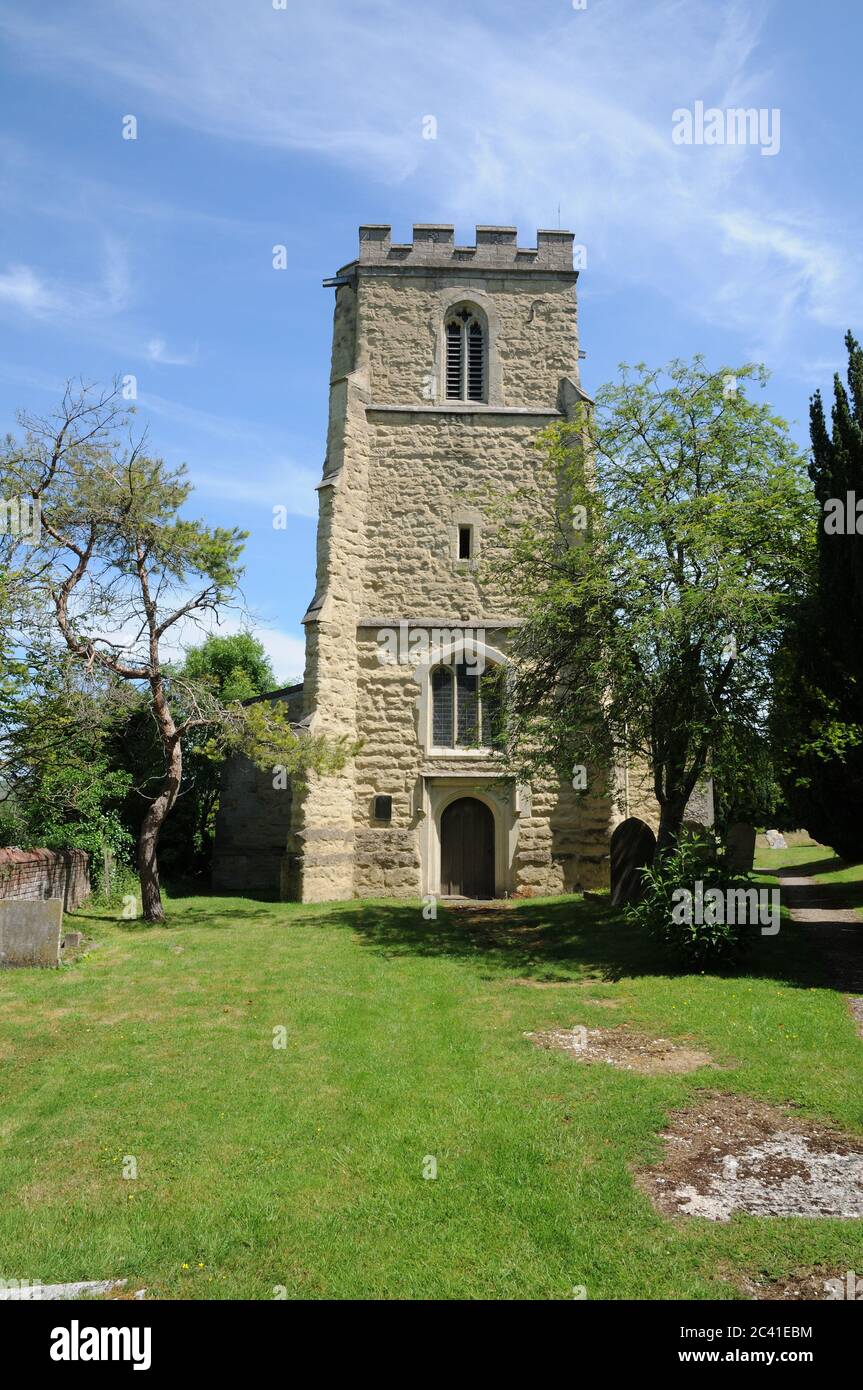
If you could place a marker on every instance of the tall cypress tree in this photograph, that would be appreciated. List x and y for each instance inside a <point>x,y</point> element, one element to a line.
<point>820,671</point>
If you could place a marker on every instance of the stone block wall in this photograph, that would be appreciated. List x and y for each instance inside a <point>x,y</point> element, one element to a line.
<point>533,330</point>
<point>422,476</point>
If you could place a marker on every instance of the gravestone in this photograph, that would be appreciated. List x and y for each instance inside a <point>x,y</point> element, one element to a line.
<point>633,845</point>
<point>30,931</point>
<point>740,847</point>
<point>775,839</point>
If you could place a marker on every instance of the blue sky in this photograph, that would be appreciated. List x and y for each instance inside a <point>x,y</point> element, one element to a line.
<point>260,126</point>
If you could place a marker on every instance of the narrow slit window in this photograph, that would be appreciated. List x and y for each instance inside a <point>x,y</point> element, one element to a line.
<point>465,542</point>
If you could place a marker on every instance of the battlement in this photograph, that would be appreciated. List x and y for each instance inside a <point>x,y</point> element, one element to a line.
<point>434,245</point>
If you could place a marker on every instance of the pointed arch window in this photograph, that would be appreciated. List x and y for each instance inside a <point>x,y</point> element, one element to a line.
<point>466,355</point>
<point>467,708</point>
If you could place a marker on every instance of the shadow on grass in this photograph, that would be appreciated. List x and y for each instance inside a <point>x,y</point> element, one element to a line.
<point>215,914</point>
<point>847,893</point>
<point>547,940</point>
<point>570,939</point>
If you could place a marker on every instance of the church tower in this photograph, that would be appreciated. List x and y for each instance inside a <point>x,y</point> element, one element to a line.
<point>447,361</point>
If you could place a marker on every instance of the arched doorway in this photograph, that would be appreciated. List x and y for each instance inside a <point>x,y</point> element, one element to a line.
<point>467,849</point>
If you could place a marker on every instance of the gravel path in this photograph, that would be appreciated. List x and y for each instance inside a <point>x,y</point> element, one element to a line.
<point>836,928</point>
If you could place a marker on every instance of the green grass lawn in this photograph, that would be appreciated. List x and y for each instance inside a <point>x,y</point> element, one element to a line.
<point>302,1167</point>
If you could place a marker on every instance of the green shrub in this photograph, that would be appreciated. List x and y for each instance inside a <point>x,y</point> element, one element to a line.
<point>123,883</point>
<point>662,910</point>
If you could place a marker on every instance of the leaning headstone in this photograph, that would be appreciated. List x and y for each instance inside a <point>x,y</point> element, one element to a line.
<point>30,931</point>
<point>740,847</point>
<point>633,845</point>
<point>775,839</point>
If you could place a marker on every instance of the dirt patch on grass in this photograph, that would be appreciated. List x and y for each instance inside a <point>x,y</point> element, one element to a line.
<point>734,1154</point>
<point>621,1047</point>
<point>812,1285</point>
<point>489,907</point>
<point>856,1008</point>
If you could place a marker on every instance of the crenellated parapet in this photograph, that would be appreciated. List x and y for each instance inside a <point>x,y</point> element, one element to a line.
<point>496,248</point>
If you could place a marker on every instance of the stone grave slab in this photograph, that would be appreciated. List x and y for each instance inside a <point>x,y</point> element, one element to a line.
<point>30,931</point>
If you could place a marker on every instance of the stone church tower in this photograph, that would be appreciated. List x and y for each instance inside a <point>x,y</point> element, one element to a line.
<point>447,361</point>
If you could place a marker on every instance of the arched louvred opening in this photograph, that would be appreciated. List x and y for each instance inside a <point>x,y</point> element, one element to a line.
<point>475,363</point>
<point>466,347</point>
<point>454,360</point>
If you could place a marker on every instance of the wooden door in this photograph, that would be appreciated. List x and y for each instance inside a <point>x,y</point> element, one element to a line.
<point>467,849</point>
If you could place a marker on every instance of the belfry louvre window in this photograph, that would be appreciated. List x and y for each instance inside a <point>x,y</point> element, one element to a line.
<point>465,356</point>
<point>454,360</point>
<point>466,707</point>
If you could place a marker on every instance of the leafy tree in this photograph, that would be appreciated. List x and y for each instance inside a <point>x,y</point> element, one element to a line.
<point>818,725</point>
<point>60,789</point>
<point>745,779</point>
<point>654,584</point>
<point>237,666</point>
<point>123,572</point>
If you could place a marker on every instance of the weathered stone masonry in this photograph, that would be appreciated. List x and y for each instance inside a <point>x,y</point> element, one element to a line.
<point>405,468</point>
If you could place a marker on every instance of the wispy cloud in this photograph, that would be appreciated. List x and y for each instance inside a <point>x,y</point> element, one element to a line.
<point>286,650</point>
<point>23,289</point>
<point>535,105</point>
<point>28,291</point>
<point>157,351</point>
<point>258,474</point>
<point>275,484</point>
<point>253,468</point>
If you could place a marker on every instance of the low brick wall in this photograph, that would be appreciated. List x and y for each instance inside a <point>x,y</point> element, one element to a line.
<point>45,873</point>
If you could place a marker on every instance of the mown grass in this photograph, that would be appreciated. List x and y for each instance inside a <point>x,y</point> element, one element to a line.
<point>301,1168</point>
